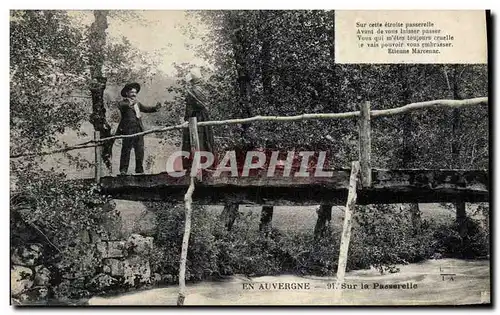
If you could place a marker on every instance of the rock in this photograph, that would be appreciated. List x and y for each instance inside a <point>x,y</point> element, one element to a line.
<point>111,249</point>
<point>116,249</point>
<point>136,271</point>
<point>27,255</point>
<point>138,244</point>
<point>156,278</point>
<point>102,248</point>
<point>136,218</point>
<point>101,282</point>
<point>168,278</point>
<point>42,276</point>
<point>35,294</point>
<point>84,236</point>
<point>114,267</point>
<point>20,279</point>
<point>437,256</point>
<point>106,269</point>
<point>61,291</point>
<point>95,237</point>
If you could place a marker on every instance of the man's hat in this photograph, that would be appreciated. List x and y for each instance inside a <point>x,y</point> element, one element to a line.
<point>130,86</point>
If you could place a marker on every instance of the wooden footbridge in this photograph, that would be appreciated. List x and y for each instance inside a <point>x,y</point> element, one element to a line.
<point>361,184</point>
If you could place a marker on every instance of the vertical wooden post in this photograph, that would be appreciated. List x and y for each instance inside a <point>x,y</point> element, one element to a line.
<point>229,214</point>
<point>266,218</point>
<point>365,144</point>
<point>195,142</point>
<point>346,230</point>
<point>324,216</point>
<point>98,158</point>
<point>188,201</point>
<point>461,218</point>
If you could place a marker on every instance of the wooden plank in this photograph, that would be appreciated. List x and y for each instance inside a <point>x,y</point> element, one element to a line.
<point>388,186</point>
<point>195,142</point>
<point>98,158</point>
<point>365,144</point>
<point>346,230</point>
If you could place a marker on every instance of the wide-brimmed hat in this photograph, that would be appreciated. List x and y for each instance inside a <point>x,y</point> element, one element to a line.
<point>194,75</point>
<point>129,86</point>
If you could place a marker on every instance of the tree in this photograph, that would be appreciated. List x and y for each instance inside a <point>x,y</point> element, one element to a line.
<point>49,70</point>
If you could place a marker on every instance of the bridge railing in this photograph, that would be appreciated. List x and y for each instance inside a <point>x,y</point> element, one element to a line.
<point>364,116</point>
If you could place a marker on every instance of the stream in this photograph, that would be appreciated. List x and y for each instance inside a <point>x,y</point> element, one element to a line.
<point>432,282</point>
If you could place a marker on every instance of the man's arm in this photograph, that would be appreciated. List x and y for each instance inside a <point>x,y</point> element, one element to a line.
<point>122,104</point>
<point>149,109</point>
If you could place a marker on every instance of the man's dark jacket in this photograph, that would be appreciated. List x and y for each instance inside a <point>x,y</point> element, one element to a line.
<point>129,123</point>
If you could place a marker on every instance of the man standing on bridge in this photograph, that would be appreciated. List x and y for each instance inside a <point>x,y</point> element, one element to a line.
<point>131,123</point>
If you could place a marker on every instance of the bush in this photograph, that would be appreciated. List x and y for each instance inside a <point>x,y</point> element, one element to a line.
<point>474,243</point>
<point>385,236</point>
<point>382,237</point>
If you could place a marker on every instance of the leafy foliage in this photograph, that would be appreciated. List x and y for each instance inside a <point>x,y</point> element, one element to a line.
<point>49,72</point>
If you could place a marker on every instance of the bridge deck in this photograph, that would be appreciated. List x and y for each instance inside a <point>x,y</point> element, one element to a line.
<point>388,186</point>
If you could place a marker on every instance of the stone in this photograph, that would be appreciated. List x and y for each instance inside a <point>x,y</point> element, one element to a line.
<point>42,276</point>
<point>21,279</point>
<point>116,249</point>
<point>168,278</point>
<point>101,282</point>
<point>27,255</point>
<point>84,236</point>
<point>61,290</point>
<point>114,267</point>
<point>95,237</point>
<point>35,294</point>
<point>106,269</point>
<point>102,248</point>
<point>136,218</point>
<point>138,244</point>
<point>111,249</point>
<point>156,278</point>
<point>136,271</point>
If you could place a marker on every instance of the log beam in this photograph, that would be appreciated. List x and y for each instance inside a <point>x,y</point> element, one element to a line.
<point>388,186</point>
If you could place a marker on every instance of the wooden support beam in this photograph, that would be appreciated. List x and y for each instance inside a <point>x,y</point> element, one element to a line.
<point>461,218</point>
<point>324,215</point>
<point>98,158</point>
<point>188,201</point>
<point>346,230</point>
<point>229,215</point>
<point>266,220</point>
<point>365,144</point>
<point>195,143</point>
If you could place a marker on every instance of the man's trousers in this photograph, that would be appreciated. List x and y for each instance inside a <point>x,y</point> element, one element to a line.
<point>137,143</point>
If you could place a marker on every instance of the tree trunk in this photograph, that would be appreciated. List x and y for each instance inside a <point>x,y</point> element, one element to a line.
<point>324,216</point>
<point>456,119</point>
<point>332,65</point>
<point>241,48</point>
<point>266,218</point>
<point>97,42</point>
<point>408,155</point>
